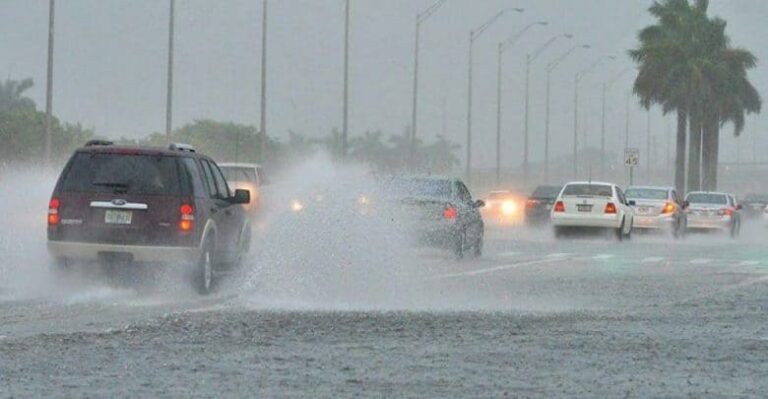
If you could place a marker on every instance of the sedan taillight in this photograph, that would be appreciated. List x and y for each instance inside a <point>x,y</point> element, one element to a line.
<point>53,212</point>
<point>559,206</point>
<point>450,213</point>
<point>610,208</point>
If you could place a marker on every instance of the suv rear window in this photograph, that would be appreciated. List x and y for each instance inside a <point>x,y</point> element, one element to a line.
<point>597,190</point>
<point>123,174</point>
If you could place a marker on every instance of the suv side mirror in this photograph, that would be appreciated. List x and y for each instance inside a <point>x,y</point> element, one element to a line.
<point>479,204</point>
<point>241,197</point>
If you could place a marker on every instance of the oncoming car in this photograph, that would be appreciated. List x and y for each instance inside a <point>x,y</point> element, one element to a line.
<point>713,211</point>
<point>503,208</point>
<point>125,205</point>
<point>441,211</point>
<point>592,205</point>
<point>246,176</point>
<point>658,208</point>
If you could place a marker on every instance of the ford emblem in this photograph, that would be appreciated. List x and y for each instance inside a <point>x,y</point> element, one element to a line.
<point>118,202</point>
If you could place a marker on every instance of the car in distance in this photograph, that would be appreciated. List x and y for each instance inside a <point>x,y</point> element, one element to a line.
<point>129,204</point>
<point>441,211</point>
<point>246,176</point>
<point>713,211</point>
<point>754,204</point>
<point>658,208</point>
<point>592,205</point>
<point>503,208</point>
<point>538,206</point>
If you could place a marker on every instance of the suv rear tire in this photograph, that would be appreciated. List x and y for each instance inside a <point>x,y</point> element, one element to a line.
<point>203,271</point>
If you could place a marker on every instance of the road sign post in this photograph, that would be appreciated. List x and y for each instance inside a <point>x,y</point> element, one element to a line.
<point>631,160</point>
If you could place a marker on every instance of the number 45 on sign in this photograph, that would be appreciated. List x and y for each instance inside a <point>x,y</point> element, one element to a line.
<point>631,157</point>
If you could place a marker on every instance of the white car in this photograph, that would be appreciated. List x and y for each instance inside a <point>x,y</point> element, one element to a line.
<point>246,176</point>
<point>593,205</point>
<point>658,208</point>
<point>713,211</point>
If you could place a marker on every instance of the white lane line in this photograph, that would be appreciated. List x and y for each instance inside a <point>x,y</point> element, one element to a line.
<point>494,269</point>
<point>749,263</point>
<point>701,261</point>
<point>510,254</point>
<point>602,256</point>
<point>652,259</point>
<point>557,255</point>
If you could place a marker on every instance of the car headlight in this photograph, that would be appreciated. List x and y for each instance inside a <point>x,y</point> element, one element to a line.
<point>297,206</point>
<point>363,200</point>
<point>508,207</point>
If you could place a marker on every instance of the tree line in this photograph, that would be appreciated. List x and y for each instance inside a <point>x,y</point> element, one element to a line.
<point>687,65</point>
<point>22,134</point>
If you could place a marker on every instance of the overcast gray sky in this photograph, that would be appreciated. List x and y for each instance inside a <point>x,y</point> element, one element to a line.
<point>110,65</point>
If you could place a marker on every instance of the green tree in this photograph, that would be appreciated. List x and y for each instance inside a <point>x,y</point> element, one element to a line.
<point>12,95</point>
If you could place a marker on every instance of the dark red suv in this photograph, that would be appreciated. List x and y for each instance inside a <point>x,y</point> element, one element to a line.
<point>142,204</point>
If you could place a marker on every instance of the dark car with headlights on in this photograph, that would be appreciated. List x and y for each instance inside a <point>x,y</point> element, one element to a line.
<point>754,204</point>
<point>538,205</point>
<point>441,212</point>
<point>126,205</point>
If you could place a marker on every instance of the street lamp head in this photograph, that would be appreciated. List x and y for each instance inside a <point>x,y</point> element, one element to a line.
<point>585,46</point>
<point>516,9</point>
<point>568,36</point>
<point>542,23</point>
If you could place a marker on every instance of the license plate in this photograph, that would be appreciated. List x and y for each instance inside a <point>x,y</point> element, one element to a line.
<point>584,207</point>
<point>644,209</point>
<point>117,217</point>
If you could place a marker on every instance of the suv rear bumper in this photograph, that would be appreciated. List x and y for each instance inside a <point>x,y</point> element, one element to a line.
<point>137,253</point>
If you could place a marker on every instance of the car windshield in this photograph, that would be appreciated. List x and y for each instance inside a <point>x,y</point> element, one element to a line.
<point>646,193</point>
<point>122,173</point>
<point>237,173</point>
<point>546,191</point>
<point>706,198</point>
<point>434,188</point>
<point>596,190</point>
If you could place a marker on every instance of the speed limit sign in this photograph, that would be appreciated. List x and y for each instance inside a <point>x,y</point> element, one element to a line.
<point>631,157</point>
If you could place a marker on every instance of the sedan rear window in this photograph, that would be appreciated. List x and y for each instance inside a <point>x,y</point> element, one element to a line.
<point>646,193</point>
<point>433,188</point>
<point>595,190</point>
<point>122,174</point>
<point>704,198</point>
<point>546,191</point>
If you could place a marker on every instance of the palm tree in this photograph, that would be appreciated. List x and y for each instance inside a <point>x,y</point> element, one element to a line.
<point>12,95</point>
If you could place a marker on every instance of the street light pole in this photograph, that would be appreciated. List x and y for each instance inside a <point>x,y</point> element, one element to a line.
<point>529,58</point>
<point>49,85</point>
<point>606,86</point>
<point>577,79</point>
<point>420,19</point>
<point>169,89</point>
<point>263,116</point>
<point>474,35</point>
<point>551,67</point>
<point>503,46</point>
<point>345,112</point>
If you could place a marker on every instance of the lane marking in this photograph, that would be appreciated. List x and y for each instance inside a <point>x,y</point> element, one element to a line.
<point>701,261</point>
<point>557,255</point>
<point>652,259</point>
<point>749,263</point>
<point>495,269</point>
<point>510,254</point>
<point>602,256</point>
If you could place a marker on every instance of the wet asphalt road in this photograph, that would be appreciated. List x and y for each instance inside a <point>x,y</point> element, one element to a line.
<point>585,317</point>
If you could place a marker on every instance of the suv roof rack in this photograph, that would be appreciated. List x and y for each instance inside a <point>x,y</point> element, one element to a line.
<point>96,142</point>
<point>181,147</point>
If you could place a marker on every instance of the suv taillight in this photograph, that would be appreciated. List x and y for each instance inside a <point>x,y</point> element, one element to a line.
<point>187,218</point>
<point>610,208</point>
<point>559,206</point>
<point>53,212</point>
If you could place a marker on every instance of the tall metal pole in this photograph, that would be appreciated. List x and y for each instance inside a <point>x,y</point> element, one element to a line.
<point>498,114</point>
<point>602,132</point>
<point>420,18</point>
<point>415,103</point>
<point>525,123</point>
<point>576,126</point>
<point>468,173</point>
<point>626,121</point>
<point>345,123</point>
<point>49,85</point>
<point>263,117</point>
<point>648,144</point>
<point>546,128</point>
<point>169,89</point>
